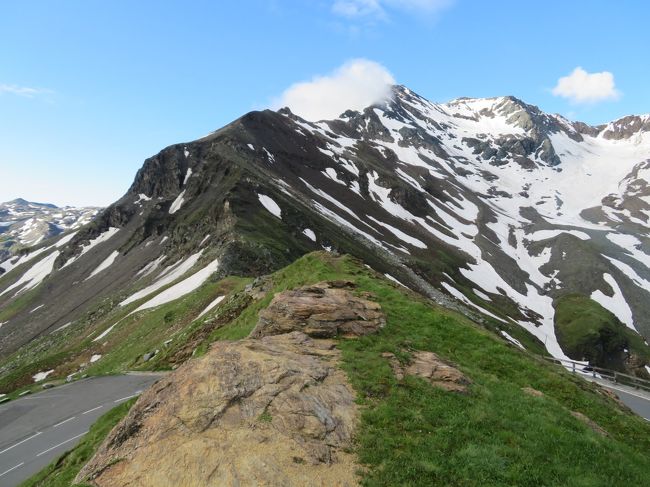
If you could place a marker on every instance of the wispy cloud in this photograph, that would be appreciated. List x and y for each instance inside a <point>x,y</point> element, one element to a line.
<point>380,9</point>
<point>583,87</point>
<point>23,91</point>
<point>354,85</point>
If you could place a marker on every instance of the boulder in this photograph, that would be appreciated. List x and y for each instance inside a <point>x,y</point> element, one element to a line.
<point>432,368</point>
<point>264,412</point>
<point>324,310</point>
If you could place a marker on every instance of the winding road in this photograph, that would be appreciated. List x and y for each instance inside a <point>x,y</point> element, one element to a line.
<point>37,428</point>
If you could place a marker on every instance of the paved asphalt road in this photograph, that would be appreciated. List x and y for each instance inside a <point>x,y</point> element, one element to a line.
<point>637,401</point>
<point>39,427</point>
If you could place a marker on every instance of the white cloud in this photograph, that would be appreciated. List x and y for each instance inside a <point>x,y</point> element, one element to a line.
<point>583,87</point>
<point>354,86</point>
<point>22,90</point>
<point>357,8</point>
<point>377,8</point>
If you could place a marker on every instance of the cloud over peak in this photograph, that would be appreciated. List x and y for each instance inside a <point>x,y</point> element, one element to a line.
<point>583,87</point>
<point>353,86</point>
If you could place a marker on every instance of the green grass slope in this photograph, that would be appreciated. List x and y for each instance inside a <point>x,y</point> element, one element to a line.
<point>587,331</point>
<point>413,434</point>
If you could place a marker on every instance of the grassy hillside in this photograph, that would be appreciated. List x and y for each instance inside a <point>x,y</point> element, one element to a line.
<point>412,433</point>
<point>587,331</point>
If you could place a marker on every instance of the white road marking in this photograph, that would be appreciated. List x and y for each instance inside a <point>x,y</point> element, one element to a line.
<point>20,442</point>
<point>64,421</point>
<point>62,443</point>
<point>91,410</point>
<point>12,468</point>
<point>128,397</point>
<point>607,386</point>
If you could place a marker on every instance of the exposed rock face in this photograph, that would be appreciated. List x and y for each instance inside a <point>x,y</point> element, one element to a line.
<point>431,368</point>
<point>274,411</point>
<point>324,310</point>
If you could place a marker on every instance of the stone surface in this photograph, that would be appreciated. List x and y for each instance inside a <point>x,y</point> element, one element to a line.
<point>324,310</point>
<point>268,412</point>
<point>589,422</point>
<point>532,392</point>
<point>432,368</point>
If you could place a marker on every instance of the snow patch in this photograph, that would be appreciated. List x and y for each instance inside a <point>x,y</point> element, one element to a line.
<point>187,175</point>
<point>309,234</point>
<point>178,202</point>
<point>34,275</point>
<point>106,263</point>
<point>211,305</point>
<point>181,288</point>
<point>615,303</point>
<point>270,205</point>
<point>167,276</point>
<point>42,375</point>
<point>104,333</point>
<point>512,340</point>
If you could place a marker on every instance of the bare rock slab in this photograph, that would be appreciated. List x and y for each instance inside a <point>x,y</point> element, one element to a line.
<point>263,412</point>
<point>324,310</point>
<point>432,368</point>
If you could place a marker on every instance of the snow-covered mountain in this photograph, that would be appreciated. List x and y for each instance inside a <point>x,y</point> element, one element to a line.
<point>489,206</point>
<point>25,223</point>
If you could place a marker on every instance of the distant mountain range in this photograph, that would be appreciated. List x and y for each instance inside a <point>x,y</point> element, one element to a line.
<point>24,223</point>
<point>490,206</point>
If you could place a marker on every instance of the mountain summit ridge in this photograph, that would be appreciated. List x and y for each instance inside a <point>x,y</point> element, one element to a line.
<point>490,206</point>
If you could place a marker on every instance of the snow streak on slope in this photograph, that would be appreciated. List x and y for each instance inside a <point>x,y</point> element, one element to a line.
<point>211,306</point>
<point>167,276</point>
<point>104,237</point>
<point>105,264</point>
<point>181,288</point>
<point>35,275</point>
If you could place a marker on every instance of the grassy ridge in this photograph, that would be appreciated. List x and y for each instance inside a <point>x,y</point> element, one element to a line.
<point>413,434</point>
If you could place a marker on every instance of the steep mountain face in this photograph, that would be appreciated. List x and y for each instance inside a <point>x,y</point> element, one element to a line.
<point>487,205</point>
<point>25,223</point>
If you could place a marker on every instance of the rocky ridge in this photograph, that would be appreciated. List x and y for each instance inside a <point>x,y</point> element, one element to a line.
<point>269,410</point>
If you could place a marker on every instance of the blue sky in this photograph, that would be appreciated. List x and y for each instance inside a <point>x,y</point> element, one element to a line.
<point>89,89</point>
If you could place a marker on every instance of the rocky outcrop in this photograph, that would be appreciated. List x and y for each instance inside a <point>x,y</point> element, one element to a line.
<point>324,310</point>
<point>269,411</point>
<point>431,368</point>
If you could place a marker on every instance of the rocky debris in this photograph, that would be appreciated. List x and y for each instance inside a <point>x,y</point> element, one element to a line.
<point>324,310</point>
<point>532,392</point>
<point>589,422</point>
<point>264,412</point>
<point>431,368</point>
<point>259,287</point>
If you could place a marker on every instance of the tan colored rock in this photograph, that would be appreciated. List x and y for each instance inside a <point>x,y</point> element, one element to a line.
<point>431,368</point>
<point>268,412</point>
<point>589,422</point>
<point>323,310</point>
<point>532,392</point>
